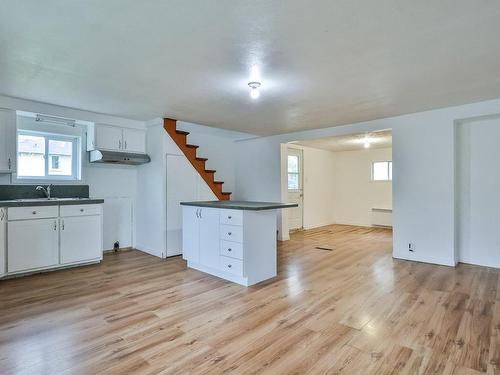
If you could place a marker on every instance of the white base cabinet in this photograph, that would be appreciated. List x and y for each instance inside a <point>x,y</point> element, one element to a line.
<point>45,237</point>
<point>80,239</point>
<point>32,244</point>
<point>236,245</point>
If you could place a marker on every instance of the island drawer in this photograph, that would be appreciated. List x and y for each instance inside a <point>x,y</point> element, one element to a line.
<point>231,233</point>
<point>231,249</point>
<point>231,265</point>
<point>32,212</point>
<point>80,210</point>
<point>232,217</point>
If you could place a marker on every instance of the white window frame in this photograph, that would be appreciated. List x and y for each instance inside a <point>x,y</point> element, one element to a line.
<point>389,175</point>
<point>76,166</point>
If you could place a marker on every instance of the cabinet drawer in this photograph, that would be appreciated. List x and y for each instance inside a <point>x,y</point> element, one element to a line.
<point>80,210</point>
<point>32,212</point>
<point>231,233</point>
<point>231,249</point>
<point>230,265</point>
<point>232,217</point>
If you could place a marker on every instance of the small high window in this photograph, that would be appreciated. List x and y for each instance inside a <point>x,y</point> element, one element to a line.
<point>382,171</point>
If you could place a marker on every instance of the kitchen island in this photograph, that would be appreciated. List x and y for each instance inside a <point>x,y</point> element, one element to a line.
<point>234,240</point>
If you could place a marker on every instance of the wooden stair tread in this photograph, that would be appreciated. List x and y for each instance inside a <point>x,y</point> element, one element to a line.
<point>180,139</point>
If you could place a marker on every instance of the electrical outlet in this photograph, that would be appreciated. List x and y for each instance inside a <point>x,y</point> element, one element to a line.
<point>411,247</point>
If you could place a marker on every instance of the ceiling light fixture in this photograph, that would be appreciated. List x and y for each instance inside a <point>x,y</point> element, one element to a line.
<point>367,144</point>
<point>254,86</point>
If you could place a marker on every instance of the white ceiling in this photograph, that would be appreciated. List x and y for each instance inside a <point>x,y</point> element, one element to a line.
<point>350,142</point>
<point>323,62</point>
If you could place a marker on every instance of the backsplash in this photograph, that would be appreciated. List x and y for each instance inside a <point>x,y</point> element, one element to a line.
<point>8,192</point>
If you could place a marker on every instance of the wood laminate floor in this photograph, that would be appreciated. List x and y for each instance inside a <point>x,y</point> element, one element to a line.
<point>352,310</point>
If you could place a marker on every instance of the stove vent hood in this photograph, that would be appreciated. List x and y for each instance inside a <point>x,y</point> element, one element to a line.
<point>115,157</point>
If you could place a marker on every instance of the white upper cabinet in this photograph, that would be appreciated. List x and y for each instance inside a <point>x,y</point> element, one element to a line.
<point>108,137</point>
<point>114,138</point>
<point>134,140</point>
<point>7,141</point>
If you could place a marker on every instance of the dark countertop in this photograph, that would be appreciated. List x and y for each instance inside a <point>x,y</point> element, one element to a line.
<point>51,202</point>
<point>241,205</point>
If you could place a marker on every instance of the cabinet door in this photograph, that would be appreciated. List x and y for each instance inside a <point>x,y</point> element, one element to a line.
<point>209,237</point>
<point>3,239</point>
<point>81,239</point>
<point>190,234</point>
<point>134,141</point>
<point>7,141</point>
<point>108,137</point>
<point>32,244</point>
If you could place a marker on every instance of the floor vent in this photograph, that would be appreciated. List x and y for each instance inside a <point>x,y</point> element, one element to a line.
<point>324,248</point>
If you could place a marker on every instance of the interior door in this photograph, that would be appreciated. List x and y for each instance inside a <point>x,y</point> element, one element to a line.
<point>295,188</point>
<point>108,137</point>
<point>80,239</point>
<point>134,141</point>
<point>181,186</point>
<point>209,237</point>
<point>32,244</point>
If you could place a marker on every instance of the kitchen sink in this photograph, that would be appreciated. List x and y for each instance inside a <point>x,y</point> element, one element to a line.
<point>47,199</point>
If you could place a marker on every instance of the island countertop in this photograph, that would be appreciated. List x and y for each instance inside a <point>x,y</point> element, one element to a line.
<point>241,205</point>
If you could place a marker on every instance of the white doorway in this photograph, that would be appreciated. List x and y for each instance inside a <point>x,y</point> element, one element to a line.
<point>295,187</point>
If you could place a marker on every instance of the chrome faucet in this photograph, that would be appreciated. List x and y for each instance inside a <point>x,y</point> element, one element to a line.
<point>46,190</point>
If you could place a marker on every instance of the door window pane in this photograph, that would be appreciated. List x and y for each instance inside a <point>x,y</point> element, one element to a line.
<point>61,157</point>
<point>293,181</point>
<point>293,163</point>
<point>31,152</point>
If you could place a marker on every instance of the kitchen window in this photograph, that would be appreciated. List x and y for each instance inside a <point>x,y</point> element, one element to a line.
<point>47,157</point>
<point>382,171</point>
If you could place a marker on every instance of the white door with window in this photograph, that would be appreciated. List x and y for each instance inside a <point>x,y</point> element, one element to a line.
<point>295,188</point>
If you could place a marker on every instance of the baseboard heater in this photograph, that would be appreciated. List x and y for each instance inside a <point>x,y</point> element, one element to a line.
<point>382,217</point>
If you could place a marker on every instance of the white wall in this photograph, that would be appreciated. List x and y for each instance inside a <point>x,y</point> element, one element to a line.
<point>423,175</point>
<point>478,186</point>
<point>354,193</point>
<point>117,185</point>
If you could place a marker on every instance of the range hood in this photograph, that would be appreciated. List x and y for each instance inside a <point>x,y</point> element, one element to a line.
<point>115,157</point>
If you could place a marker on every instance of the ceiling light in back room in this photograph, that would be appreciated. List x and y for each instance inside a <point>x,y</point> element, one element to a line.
<point>254,89</point>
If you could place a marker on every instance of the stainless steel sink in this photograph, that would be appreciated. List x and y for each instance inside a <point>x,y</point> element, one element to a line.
<point>36,199</point>
<point>47,199</point>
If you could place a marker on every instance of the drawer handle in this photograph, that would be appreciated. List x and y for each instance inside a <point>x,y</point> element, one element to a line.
<point>229,266</point>
<point>229,217</point>
<point>229,249</point>
<point>34,212</point>
<point>81,210</point>
<point>229,233</point>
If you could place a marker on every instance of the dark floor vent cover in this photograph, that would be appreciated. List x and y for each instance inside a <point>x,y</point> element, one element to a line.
<point>324,248</point>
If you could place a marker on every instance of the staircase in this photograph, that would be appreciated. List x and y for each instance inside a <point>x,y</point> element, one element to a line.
<point>208,175</point>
